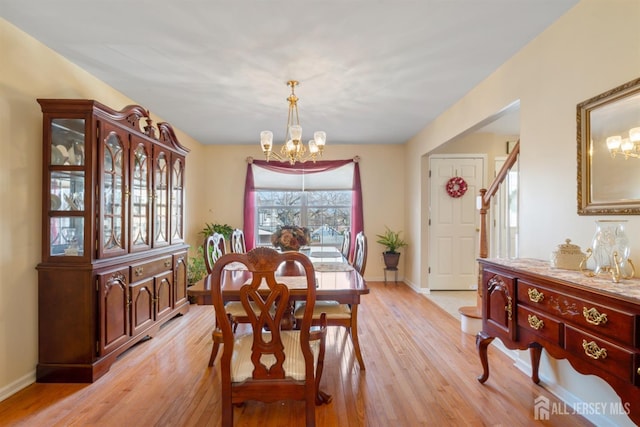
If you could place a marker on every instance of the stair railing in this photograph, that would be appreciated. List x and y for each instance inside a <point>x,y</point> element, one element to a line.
<point>484,203</point>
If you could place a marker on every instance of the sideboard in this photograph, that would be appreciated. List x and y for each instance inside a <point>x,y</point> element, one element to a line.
<point>591,322</point>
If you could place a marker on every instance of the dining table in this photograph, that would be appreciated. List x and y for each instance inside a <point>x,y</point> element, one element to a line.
<point>336,280</point>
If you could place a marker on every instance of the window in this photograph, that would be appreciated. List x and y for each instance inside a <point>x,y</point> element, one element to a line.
<point>325,196</point>
<point>327,214</point>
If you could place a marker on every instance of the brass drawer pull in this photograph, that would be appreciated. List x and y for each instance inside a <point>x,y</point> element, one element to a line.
<point>167,263</point>
<point>138,271</point>
<point>592,350</point>
<point>534,322</point>
<point>509,308</point>
<point>118,277</point>
<point>593,316</point>
<point>535,295</point>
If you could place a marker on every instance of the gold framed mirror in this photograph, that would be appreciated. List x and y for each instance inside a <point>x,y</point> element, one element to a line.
<point>608,131</point>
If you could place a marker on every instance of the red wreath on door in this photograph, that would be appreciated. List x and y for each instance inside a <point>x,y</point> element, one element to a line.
<point>456,187</point>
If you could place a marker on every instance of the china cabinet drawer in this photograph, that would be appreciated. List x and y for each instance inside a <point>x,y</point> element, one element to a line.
<point>539,324</point>
<point>601,353</point>
<point>150,268</point>
<point>598,318</point>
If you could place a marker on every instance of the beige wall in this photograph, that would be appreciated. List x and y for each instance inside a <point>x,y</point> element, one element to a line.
<point>592,48</point>
<point>215,184</point>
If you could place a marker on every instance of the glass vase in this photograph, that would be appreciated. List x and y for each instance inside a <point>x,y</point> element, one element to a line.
<point>610,246</point>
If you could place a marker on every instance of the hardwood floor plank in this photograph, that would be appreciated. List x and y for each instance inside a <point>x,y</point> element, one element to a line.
<point>420,371</point>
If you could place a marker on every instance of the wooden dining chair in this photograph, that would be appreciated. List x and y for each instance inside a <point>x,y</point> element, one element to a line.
<point>238,245</point>
<point>338,314</point>
<point>268,363</point>
<point>346,245</point>
<point>360,253</point>
<point>214,248</point>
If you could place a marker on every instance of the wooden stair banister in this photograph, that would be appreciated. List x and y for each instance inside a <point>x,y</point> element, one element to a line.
<point>486,195</point>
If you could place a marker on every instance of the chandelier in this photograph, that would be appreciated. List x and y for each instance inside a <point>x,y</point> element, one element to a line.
<point>293,149</point>
<point>628,147</point>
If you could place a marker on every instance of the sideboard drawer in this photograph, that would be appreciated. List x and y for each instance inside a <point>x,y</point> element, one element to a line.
<point>602,353</point>
<point>539,324</point>
<point>148,269</point>
<point>598,318</point>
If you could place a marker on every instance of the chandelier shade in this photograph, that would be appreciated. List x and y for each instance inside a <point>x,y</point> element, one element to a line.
<point>626,146</point>
<point>293,150</point>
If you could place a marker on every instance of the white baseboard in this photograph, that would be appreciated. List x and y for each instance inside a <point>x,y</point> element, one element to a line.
<point>17,385</point>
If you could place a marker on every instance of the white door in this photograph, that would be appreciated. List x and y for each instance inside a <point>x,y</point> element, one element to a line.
<point>453,222</point>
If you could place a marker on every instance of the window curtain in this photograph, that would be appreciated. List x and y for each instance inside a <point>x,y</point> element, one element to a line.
<point>357,222</point>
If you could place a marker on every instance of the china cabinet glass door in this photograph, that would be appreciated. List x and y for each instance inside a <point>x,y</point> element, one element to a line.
<point>177,201</point>
<point>161,199</point>
<point>67,188</point>
<point>140,201</point>
<point>113,195</point>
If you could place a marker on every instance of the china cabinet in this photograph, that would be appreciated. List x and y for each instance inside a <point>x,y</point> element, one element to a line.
<point>589,321</point>
<point>114,259</point>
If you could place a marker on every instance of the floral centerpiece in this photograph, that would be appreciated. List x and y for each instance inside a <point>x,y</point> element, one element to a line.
<point>290,237</point>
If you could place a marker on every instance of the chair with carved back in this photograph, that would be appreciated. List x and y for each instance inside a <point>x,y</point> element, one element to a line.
<point>343,314</point>
<point>269,363</point>
<point>360,253</point>
<point>214,248</point>
<point>238,245</point>
<point>346,245</point>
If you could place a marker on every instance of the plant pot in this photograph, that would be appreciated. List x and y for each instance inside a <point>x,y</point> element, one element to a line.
<point>391,259</point>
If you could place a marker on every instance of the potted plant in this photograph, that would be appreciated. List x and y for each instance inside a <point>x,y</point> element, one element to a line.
<point>197,270</point>
<point>224,229</point>
<point>391,241</point>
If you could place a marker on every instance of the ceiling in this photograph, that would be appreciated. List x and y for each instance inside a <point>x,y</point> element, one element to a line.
<point>370,71</point>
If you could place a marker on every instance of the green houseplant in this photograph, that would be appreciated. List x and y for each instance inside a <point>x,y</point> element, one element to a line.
<point>197,270</point>
<point>210,228</point>
<point>392,242</point>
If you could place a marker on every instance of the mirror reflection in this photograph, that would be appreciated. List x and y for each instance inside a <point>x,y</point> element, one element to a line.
<point>609,152</point>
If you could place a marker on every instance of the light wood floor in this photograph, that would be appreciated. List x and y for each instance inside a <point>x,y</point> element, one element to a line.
<point>421,371</point>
